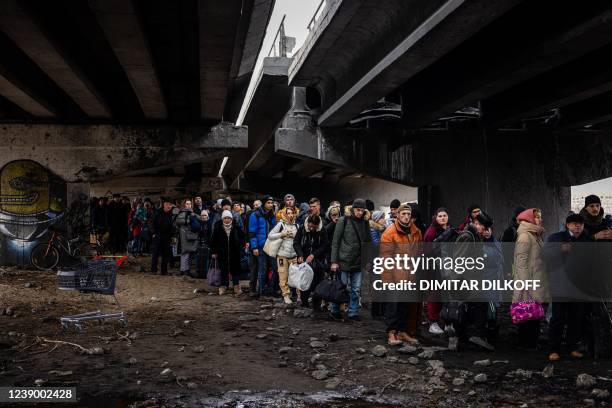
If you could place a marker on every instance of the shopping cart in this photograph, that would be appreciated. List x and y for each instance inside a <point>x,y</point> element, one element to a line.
<point>98,277</point>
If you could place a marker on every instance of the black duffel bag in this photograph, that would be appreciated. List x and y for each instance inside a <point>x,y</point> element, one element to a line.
<point>332,290</point>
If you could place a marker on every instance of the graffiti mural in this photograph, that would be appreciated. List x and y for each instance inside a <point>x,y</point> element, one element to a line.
<point>32,199</point>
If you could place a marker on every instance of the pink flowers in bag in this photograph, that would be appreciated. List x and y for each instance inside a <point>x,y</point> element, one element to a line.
<point>525,311</point>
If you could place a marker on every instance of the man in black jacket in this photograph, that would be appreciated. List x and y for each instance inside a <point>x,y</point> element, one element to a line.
<point>469,245</point>
<point>161,233</point>
<point>310,244</point>
<point>560,255</point>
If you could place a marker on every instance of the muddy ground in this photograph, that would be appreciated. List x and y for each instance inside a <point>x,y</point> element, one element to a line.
<point>234,351</point>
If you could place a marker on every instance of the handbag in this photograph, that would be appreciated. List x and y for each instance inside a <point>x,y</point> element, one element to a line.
<point>300,276</point>
<point>272,246</point>
<point>189,241</point>
<point>214,274</point>
<point>332,290</point>
<point>526,310</point>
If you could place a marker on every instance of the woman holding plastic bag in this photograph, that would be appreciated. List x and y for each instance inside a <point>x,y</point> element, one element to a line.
<point>281,245</point>
<point>311,245</point>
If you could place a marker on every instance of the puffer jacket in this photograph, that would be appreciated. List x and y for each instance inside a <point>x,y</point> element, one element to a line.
<point>308,243</point>
<point>260,225</point>
<point>376,230</point>
<point>528,264</point>
<point>400,240</point>
<point>349,236</point>
<point>286,249</point>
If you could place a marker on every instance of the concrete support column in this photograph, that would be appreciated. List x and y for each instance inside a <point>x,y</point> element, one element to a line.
<point>496,171</point>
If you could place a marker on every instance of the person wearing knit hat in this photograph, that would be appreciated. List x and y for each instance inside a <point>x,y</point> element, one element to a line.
<point>485,220</point>
<point>402,318</point>
<point>226,205</point>
<point>566,317</point>
<point>392,212</point>
<point>288,202</point>
<point>468,245</point>
<point>594,222</point>
<point>377,225</point>
<point>227,243</point>
<point>472,211</point>
<point>350,234</point>
<point>370,205</point>
<point>261,222</point>
<point>528,266</point>
<point>359,203</point>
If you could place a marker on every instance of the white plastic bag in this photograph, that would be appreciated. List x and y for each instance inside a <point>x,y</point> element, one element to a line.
<point>300,276</point>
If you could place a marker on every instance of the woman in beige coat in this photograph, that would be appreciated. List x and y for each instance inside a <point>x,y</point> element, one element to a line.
<point>528,265</point>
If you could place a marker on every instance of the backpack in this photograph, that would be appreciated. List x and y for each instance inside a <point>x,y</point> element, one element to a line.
<point>444,242</point>
<point>454,312</point>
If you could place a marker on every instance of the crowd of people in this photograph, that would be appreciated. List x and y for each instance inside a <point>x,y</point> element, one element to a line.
<point>232,237</point>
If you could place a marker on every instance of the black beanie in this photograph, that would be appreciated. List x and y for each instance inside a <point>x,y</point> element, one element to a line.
<point>225,202</point>
<point>359,203</point>
<point>573,217</point>
<point>370,205</point>
<point>484,219</point>
<point>395,203</point>
<point>472,208</point>
<point>592,199</point>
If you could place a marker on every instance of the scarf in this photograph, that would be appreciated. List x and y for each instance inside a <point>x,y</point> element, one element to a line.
<point>227,228</point>
<point>404,228</point>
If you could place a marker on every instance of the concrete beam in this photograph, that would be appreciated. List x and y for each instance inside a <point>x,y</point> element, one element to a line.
<point>429,37</point>
<point>89,153</point>
<point>218,24</point>
<point>121,24</point>
<point>252,26</point>
<point>376,153</point>
<point>16,95</point>
<point>592,111</point>
<point>509,60</point>
<point>570,83</point>
<point>264,109</point>
<point>29,37</point>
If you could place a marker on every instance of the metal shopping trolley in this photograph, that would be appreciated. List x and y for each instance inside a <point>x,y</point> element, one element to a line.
<point>97,276</point>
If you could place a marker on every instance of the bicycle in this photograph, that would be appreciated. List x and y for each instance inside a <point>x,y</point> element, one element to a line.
<point>99,243</point>
<point>45,256</point>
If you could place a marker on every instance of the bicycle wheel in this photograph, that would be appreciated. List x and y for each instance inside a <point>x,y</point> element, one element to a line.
<point>82,251</point>
<point>42,259</point>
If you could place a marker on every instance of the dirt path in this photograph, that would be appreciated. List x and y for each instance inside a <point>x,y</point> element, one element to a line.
<point>214,345</point>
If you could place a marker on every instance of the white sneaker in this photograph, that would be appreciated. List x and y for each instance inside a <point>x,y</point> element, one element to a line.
<point>287,300</point>
<point>222,290</point>
<point>434,328</point>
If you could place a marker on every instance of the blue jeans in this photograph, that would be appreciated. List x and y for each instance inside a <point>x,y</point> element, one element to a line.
<point>136,245</point>
<point>263,262</point>
<point>354,292</point>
